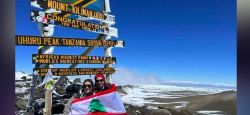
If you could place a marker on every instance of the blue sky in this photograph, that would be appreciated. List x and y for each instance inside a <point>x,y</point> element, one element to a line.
<point>192,40</point>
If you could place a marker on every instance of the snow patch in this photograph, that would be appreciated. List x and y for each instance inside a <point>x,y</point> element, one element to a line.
<point>40,100</point>
<point>140,95</point>
<point>208,112</point>
<point>54,91</point>
<point>183,104</point>
<point>34,4</point>
<point>81,18</point>
<point>223,86</point>
<point>21,90</point>
<point>52,11</point>
<point>19,75</point>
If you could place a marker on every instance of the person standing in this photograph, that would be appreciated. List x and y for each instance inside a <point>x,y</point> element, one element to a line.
<point>100,83</point>
<point>87,90</point>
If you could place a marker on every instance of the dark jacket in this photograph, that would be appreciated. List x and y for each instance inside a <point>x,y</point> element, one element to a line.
<point>86,94</point>
<point>105,87</point>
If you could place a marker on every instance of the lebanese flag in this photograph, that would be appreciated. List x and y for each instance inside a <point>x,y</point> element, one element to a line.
<point>106,102</point>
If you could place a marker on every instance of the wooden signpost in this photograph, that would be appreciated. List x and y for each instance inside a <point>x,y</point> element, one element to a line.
<point>75,9</point>
<point>68,59</point>
<point>69,8</point>
<point>73,14</point>
<point>48,18</point>
<point>74,71</point>
<point>73,42</point>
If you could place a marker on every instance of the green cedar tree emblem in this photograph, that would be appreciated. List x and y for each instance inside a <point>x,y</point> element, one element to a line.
<point>96,106</point>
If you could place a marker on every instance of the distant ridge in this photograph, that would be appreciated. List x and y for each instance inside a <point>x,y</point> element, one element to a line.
<point>199,84</point>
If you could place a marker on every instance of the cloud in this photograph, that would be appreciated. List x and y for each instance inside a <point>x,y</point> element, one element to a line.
<point>125,76</point>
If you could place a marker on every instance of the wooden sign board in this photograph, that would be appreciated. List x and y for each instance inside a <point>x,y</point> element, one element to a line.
<point>68,8</point>
<point>74,71</point>
<point>69,59</point>
<point>73,42</point>
<point>95,5</point>
<point>48,18</point>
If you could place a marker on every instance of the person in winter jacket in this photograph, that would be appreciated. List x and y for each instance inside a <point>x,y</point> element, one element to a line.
<point>73,90</point>
<point>87,90</point>
<point>100,83</point>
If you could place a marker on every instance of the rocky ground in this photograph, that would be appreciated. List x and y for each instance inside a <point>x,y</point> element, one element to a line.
<point>143,100</point>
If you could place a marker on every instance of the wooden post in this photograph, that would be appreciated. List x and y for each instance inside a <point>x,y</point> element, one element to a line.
<point>48,93</point>
<point>108,53</point>
<point>29,108</point>
<point>107,50</point>
<point>48,102</point>
<point>107,6</point>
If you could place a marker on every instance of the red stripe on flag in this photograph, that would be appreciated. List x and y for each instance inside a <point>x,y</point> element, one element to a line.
<point>112,89</point>
<point>102,113</point>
